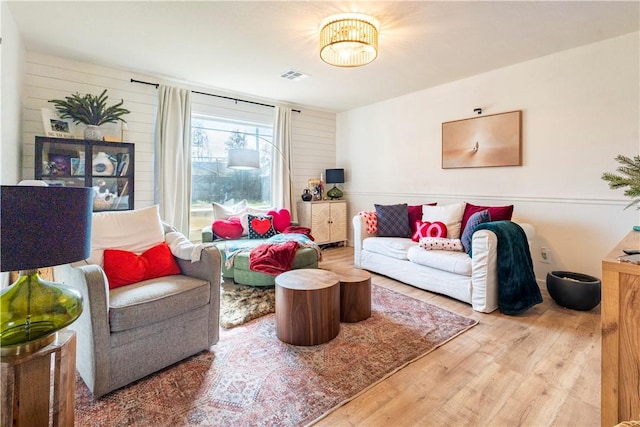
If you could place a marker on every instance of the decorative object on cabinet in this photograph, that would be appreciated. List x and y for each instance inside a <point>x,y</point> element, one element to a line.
<point>56,126</point>
<point>107,167</point>
<point>306,195</point>
<point>630,171</point>
<point>326,219</point>
<point>493,140</point>
<point>91,111</point>
<point>335,176</point>
<point>34,309</point>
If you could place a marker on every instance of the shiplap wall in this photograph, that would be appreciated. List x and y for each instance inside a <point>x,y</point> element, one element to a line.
<point>49,77</point>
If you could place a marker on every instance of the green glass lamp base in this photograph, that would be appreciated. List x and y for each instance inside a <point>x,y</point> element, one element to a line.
<point>33,310</point>
<point>334,193</point>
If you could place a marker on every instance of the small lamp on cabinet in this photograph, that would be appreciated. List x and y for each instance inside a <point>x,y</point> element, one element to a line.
<point>334,176</point>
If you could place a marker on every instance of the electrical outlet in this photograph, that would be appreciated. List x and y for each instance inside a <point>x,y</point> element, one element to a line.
<point>545,255</point>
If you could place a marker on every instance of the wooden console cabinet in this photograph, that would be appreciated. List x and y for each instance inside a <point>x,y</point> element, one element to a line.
<point>326,219</point>
<point>620,335</point>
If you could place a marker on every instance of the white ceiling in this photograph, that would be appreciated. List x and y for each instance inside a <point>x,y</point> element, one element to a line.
<point>243,47</point>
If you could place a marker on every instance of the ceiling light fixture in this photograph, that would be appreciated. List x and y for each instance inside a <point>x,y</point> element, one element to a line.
<point>349,40</point>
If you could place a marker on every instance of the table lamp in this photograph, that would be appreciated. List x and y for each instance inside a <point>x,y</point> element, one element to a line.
<point>334,176</point>
<point>40,227</point>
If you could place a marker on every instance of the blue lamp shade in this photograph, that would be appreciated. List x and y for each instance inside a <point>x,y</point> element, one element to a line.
<point>44,226</point>
<point>334,176</point>
<point>40,227</point>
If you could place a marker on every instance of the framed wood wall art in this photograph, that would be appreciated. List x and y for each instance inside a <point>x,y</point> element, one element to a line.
<point>485,141</point>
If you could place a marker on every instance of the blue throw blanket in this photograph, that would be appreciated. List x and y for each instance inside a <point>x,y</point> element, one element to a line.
<point>517,287</point>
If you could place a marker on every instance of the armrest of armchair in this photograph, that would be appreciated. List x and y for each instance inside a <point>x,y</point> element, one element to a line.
<point>92,327</point>
<point>359,234</point>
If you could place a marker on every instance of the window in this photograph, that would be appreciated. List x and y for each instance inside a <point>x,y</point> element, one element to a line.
<point>212,181</point>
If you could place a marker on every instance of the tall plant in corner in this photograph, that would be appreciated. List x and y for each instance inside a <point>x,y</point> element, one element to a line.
<point>90,110</point>
<point>630,178</point>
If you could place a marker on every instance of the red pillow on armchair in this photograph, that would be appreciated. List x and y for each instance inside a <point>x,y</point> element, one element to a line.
<point>124,267</point>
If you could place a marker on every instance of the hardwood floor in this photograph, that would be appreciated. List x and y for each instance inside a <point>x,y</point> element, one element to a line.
<point>541,368</point>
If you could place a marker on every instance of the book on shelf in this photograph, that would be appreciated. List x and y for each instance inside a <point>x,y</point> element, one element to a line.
<point>123,164</point>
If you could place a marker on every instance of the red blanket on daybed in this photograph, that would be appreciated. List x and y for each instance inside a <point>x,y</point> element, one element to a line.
<point>272,258</point>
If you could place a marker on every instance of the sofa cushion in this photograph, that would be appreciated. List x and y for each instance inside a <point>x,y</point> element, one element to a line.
<point>395,247</point>
<point>393,220</point>
<point>473,222</point>
<point>452,262</point>
<point>497,213</point>
<point>134,231</point>
<point>450,215</point>
<point>155,300</point>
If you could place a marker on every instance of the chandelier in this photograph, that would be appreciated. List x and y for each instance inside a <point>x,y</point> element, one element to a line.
<point>349,40</point>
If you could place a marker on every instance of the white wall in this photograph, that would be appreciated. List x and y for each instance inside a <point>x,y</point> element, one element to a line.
<point>11,69</point>
<point>48,77</point>
<point>580,109</point>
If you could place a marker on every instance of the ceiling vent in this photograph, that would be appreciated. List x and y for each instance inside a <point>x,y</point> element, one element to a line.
<point>294,75</point>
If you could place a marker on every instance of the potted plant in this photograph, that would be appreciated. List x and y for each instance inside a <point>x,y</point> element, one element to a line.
<point>91,111</point>
<point>630,177</point>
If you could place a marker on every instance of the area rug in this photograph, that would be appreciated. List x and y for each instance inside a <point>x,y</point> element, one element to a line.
<point>250,378</point>
<point>241,304</point>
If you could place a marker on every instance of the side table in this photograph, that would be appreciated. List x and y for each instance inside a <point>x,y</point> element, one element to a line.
<point>25,393</point>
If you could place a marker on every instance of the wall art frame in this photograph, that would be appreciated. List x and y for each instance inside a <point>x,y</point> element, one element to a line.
<point>55,126</point>
<point>485,141</point>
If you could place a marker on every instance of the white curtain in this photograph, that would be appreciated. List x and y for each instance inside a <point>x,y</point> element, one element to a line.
<point>173,156</point>
<point>281,174</point>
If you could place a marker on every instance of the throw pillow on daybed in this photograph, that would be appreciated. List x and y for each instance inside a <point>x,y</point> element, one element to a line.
<point>260,226</point>
<point>473,222</point>
<point>281,219</point>
<point>393,220</point>
<point>442,244</point>
<point>227,228</point>
<point>450,215</point>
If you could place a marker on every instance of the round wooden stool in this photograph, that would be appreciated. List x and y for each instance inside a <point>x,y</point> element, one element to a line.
<point>355,294</point>
<point>307,306</point>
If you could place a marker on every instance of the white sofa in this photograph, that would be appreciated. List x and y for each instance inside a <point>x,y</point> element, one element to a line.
<point>469,279</point>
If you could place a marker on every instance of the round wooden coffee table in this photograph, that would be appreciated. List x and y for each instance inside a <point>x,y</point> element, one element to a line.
<point>307,306</point>
<point>355,294</point>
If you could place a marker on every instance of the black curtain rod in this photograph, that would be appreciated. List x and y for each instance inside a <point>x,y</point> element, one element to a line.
<point>211,94</point>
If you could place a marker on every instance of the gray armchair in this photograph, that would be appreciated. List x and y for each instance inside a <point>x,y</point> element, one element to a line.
<point>129,332</point>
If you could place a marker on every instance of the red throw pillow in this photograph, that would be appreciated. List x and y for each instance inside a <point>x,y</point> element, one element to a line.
<point>227,228</point>
<point>124,267</point>
<point>415,215</point>
<point>497,213</point>
<point>281,219</point>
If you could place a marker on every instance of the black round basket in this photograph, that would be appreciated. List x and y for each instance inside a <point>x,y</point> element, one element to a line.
<point>574,290</point>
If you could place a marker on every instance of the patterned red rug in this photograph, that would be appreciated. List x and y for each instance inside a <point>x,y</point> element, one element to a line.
<point>250,378</point>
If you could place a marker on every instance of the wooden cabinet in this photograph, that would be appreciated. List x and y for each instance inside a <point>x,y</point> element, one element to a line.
<point>108,167</point>
<point>620,307</point>
<point>326,219</point>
